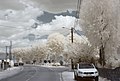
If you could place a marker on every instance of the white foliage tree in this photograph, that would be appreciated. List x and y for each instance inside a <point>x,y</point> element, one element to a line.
<point>99,19</point>
<point>29,54</point>
<point>80,49</point>
<point>38,53</point>
<point>55,44</point>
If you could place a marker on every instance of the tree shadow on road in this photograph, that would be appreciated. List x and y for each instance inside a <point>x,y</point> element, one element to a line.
<point>110,74</point>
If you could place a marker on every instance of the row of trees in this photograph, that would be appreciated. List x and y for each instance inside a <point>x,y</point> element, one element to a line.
<point>58,47</point>
<point>30,54</point>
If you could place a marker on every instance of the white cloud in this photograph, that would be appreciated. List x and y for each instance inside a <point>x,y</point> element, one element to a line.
<point>63,21</point>
<point>16,24</point>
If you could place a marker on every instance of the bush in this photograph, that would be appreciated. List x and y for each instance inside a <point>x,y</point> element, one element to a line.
<point>61,62</point>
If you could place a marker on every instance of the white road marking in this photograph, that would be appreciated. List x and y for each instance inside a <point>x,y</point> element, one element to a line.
<point>32,75</point>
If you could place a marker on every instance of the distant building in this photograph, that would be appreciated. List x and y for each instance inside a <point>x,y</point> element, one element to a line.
<point>2,56</point>
<point>3,60</point>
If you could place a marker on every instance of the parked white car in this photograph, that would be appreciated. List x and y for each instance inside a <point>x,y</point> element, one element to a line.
<point>56,64</point>
<point>84,70</point>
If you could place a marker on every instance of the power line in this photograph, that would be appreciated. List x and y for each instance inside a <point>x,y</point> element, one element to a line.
<point>80,35</point>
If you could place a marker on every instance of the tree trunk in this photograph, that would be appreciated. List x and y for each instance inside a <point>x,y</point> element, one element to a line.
<point>102,55</point>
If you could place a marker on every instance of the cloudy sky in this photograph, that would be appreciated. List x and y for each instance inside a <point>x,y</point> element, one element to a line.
<point>18,16</point>
<point>50,5</point>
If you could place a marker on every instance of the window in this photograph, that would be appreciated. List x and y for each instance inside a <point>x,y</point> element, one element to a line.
<point>82,66</point>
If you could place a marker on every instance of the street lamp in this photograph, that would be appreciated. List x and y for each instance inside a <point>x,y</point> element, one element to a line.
<point>72,65</point>
<point>71,33</point>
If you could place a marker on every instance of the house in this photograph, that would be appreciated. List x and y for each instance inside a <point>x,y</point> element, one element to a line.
<point>2,61</point>
<point>5,64</point>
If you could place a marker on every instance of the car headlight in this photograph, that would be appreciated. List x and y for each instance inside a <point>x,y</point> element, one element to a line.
<point>96,72</point>
<point>81,72</point>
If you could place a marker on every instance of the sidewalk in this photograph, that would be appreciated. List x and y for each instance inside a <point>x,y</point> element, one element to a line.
<point>10,72</point>
<point>69,76</point>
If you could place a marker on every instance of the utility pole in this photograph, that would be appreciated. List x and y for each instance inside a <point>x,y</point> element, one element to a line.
<point>6,52</point>
<point>72,34</point>
<point>72,65</point>
<point>10,48</point>
<point>10,53</point>
<point>78,8</point>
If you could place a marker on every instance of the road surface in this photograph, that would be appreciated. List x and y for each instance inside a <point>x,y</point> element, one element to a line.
<point>37,73</point>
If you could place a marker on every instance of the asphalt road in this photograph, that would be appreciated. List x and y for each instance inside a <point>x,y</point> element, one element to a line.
<point>37,73</point>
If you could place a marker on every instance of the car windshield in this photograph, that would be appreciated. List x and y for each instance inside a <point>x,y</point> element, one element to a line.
<point>83,66</point>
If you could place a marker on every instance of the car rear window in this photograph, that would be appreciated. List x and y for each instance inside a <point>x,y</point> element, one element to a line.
<point>82,66</point>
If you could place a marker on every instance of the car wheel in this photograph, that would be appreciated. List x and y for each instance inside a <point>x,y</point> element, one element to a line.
<point>96,78</point>
<point>78,78</point>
